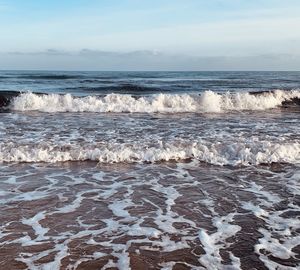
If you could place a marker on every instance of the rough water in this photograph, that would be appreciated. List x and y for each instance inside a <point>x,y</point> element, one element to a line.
<point>155,170</point>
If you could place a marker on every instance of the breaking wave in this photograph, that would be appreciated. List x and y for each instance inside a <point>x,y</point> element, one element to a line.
<point>208,101</point>
<point>253,152</point>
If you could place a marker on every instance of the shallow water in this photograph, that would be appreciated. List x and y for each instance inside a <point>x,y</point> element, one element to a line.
<point>182,215</point>
<point>232,138</point>
<point>168,178</point>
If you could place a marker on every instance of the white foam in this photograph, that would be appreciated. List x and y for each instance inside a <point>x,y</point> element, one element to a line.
<point>278,234</point>
<point>118,208</point>
<point>233,153</point>
<point>34,222</point>
<point>212,243</point>
<point>208,101</point>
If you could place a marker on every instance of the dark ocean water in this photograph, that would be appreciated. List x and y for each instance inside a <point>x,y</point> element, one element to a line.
<point>149,170</point>
<point>141,83</point>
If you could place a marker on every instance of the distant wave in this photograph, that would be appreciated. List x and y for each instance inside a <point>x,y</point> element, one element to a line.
<point>49,76</point>
<point>127,88</point>
<point>206,102</point>
<point>235,154</point>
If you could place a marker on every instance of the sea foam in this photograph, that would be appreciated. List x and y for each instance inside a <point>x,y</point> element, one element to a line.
<point>208,101</point>
<point>239,153</point>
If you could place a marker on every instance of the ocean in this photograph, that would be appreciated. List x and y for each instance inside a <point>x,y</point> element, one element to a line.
<point>149,170</point>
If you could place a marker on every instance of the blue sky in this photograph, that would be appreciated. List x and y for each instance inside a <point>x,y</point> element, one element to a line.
<point>198,28</point>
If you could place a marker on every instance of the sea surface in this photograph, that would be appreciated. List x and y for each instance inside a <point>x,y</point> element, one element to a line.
<point>149,170</point>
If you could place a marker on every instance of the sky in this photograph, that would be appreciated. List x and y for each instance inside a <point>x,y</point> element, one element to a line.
<point>150,34</point>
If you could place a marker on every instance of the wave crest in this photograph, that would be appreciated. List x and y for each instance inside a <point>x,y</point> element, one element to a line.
<point>208,101</point>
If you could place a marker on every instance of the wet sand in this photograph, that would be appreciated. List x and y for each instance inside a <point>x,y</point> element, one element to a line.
<point>188,215</point>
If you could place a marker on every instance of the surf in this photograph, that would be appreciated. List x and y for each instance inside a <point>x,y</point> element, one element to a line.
<point>206,102</point>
